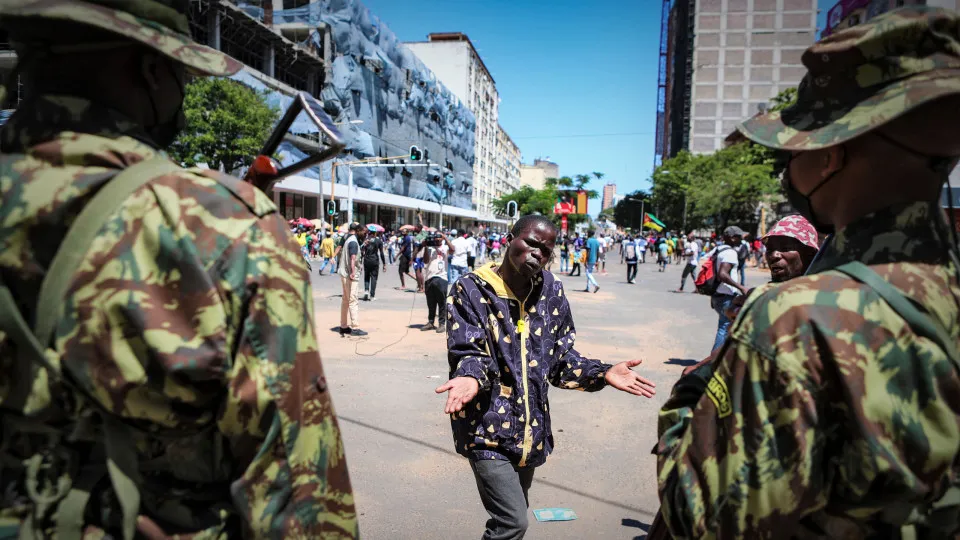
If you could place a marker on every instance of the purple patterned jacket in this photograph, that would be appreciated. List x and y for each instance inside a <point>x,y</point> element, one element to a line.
<point>513,347</point>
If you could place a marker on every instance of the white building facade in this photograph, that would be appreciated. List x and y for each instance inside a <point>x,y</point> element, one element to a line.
<point>456,63</point>
<point>508,160</point>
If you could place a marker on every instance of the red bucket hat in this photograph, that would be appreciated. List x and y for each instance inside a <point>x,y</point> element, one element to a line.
<point>796,227</point>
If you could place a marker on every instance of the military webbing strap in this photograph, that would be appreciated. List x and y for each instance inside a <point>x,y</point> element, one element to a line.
<point>936,515</point>
<point>921,323</point>
<point>121,456</point>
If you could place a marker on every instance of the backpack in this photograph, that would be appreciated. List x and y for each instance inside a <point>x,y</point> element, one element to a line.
<point>630,253</point>
<point>707,280</point>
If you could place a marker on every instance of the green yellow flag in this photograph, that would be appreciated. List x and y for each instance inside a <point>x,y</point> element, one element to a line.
<point>651,222</point>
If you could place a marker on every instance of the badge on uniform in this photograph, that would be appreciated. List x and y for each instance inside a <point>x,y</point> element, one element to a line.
<point>555,514</point>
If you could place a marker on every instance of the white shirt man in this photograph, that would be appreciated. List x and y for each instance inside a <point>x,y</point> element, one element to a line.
<point>728,255</point>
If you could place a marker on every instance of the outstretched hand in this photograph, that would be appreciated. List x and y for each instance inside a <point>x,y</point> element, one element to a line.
<point>462,391</point>
<point>621,377</point>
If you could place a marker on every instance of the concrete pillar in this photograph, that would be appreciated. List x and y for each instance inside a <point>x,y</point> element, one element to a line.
<point>313,83</point>
<point>213,27</point>
<point>269,60</point>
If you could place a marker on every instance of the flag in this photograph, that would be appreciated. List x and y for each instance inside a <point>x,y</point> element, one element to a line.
<point>651,222</point>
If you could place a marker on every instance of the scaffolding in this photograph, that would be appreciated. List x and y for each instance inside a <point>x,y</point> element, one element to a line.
<point>662,81</point>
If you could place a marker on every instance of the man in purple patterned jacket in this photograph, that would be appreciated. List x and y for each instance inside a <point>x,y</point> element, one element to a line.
<point>510,332</point>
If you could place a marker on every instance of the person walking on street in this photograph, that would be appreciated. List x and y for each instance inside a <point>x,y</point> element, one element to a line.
<point>663,254</point>
<point>373,259</point>
<point>564,255</point>
<point>577,255</point>
<point>631,253</point>
<point>351,268</point>
<point>691,251</point>
<point>406,258</point>
<point>435,285</point>
<point>593,252</point>
<point>497,392</point>
<point>326,253</point>
<point>157,326</point>
<point>472,250</point>
<point>831,411</point>
<point>728,287</point>
<point>459,258</point>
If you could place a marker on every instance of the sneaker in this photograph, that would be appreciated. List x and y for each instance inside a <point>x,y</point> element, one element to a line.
<point>366,297</point>
<point>428,326</point>
<point>442,328</point>
<point>345,331</point>
<point>358,332</point>
<point>597,289</point>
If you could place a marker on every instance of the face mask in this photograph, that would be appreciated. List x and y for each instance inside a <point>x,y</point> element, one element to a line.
<point>802,202</point>
<point>164,133</point>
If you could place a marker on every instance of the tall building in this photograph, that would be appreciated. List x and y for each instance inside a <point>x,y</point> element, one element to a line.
<point>847,13</point>
<point>508,164</point>
<point>455,61</point>
<point>722,61</point>
<point>609,196</point>
<point>536,175</point>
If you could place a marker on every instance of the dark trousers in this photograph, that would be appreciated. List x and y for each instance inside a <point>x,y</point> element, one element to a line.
<point>688,270</point>
<point>576,268</point>
<point>471,261</point>
<point>503,489</point>
<point>436,290</point>
<point>370,274</point>
<point>631,271</point>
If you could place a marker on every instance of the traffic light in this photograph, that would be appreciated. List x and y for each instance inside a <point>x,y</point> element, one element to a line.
<point>331,207</point>
<point>426,155</point>
<point>415,153</point>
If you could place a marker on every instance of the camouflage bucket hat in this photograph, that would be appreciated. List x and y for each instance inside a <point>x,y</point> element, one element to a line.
<point>162,25</point>
<point>865,76</point>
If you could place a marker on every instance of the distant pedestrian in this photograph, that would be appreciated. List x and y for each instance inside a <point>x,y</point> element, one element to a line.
<point>373,259</point>
<point>406,258</point>
<point>691,251</point>
<point>631,254</point>
<point>351,269</point>
<point>435,283</point>
<point>593,254</point>
<point>326,253</point>
<point>663,254</point>
<point>564,254</point>
<point>577,245</point>
<point>743,255</point>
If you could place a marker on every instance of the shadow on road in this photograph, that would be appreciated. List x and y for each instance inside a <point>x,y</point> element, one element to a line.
<point>681,362</point>
<point>554,485</point>
<point>630,522</point>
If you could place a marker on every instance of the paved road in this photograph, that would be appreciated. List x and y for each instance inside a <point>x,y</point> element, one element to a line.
<point>408,482</point>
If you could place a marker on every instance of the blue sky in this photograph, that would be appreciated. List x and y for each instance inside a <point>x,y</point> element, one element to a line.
<point>570,73</point>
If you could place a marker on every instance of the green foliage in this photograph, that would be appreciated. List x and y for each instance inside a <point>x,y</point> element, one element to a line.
<point>227,124</point>
<point>719,189</point>
<point>542,201</point>
<point>784,99</point>
<point>626,213</point>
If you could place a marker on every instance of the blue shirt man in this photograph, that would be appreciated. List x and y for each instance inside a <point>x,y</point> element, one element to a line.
<point>593,252</point>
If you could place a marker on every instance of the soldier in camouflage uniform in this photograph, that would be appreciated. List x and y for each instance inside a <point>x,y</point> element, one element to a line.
<point>832,411</point>
<point>182,391</point>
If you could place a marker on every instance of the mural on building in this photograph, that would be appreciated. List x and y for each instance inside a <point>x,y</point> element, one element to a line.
<point>400,102</point>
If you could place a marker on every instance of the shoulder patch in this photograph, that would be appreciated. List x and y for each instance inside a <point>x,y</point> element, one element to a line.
<point>719,395</point>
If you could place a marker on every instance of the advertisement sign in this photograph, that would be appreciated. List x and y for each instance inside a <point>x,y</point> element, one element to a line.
<point>841,10</point>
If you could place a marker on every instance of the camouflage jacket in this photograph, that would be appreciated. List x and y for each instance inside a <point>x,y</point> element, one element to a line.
<point>191,314</point>
<point>514,348</point>
<point>824,414</point>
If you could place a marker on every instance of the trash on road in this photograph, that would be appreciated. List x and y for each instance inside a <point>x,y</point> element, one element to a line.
<point>555,514</point>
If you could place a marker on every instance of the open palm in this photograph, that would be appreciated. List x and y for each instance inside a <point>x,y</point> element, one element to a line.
<point>621,377</point>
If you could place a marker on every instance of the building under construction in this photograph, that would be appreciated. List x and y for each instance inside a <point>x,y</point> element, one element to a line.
<point>381,95</point>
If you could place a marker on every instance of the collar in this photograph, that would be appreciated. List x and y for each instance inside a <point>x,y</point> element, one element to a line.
<point>42,118</point>
<point>488,274</point>
<point>900,233</point>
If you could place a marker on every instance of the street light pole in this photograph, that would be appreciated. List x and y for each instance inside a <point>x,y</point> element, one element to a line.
<point>685,212</point>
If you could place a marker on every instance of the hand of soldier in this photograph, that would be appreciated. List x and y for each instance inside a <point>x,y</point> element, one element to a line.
<point>621,377</point>
<point>462,391</point>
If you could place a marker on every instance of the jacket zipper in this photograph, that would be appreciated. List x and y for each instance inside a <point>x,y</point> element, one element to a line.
<point>527,430</point>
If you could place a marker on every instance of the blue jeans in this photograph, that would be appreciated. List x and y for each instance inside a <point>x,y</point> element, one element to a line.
<point>456,272</point>
<point>590,278</point>
<point>743,273</point>
<point>720,303</point>
<point>324,265</point>
<point>564,262</point>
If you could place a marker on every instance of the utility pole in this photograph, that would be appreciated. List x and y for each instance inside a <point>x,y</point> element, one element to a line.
<point>685,213</point>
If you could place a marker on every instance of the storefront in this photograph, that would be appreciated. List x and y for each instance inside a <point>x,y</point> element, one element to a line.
<point>296,205</point>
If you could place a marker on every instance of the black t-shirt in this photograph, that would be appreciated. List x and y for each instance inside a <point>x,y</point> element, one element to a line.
<point>373,251</point>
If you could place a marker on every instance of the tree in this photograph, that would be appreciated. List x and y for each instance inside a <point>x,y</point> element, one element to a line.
<point>784,99</point>
<point>626,213</point>
<point>227,124</point>
<point>529,201</point>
